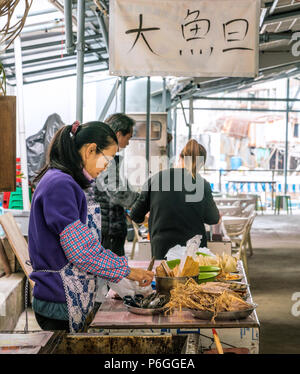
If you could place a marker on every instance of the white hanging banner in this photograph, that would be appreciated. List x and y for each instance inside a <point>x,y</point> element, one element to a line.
<point>197,38</point>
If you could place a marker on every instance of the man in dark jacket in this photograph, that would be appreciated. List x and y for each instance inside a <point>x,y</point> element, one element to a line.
<point>113,191</point>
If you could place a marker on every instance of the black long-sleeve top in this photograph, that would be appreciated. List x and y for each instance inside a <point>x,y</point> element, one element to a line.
<point>179,207</point>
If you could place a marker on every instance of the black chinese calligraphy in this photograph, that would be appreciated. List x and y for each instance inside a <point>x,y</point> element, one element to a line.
<point>197,28</point>
<point>235,31</point>
<point>201,51</point>
<point>140,32</point>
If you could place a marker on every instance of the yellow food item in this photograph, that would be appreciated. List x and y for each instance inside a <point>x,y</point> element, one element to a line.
<point>227,263</point>
<point>190,268</point>
<point>227,276</point>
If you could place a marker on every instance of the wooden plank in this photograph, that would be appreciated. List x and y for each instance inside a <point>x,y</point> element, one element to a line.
<point>17,242</point>
<point>10,255</point>
<point>8,143</point>
<point>4,263</point>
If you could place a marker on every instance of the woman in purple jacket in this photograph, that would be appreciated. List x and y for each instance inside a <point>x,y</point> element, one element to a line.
<point>65,256</point>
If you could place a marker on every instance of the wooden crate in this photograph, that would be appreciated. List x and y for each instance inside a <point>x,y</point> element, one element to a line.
<point>8,143</point>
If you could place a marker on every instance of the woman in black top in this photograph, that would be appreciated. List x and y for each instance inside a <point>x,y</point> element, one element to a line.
<point>180,203</point>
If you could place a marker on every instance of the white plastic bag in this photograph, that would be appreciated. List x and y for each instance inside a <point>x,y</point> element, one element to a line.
<point>102,290</point>
<point>175,253</point>
<point>131,288</point>
<point>192,246</point>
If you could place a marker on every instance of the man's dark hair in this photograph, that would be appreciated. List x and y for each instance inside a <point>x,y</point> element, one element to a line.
<point>120,122</point>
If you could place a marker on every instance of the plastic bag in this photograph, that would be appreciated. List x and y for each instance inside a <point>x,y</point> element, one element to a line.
<point>127,287</point>
<point>192,246</point>
<point>102,290</point>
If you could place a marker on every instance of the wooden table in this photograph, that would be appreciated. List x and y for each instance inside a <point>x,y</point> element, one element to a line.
<point>113,314</point>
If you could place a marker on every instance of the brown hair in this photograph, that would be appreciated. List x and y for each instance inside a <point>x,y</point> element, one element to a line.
<point>191,151</point>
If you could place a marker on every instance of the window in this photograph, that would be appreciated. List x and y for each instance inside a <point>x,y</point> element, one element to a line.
<point>139,130</point>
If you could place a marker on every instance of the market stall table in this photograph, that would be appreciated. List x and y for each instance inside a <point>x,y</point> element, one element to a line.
<point>114,316</point>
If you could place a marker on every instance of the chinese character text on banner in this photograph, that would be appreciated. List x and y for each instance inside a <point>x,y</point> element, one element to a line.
<point>198,38</point>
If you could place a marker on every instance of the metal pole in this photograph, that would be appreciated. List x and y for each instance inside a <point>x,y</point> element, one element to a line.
<point>21,122</point>
<point>164,96</point>
<point>80,58</point>
<point>148,127</point>
<point>103,28</point>
<point>286,136</point>
<point>70,46</point>
<point>111,96</point>
<point>123,95</point>
<point>191,117</point>
<point>175,129</point>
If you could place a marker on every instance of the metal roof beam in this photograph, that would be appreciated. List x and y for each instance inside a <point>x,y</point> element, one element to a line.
<point>280,17</point>
<point>61,68</point>
<point>58,42</point>
<point>59,58</point>
<point>59,77</point>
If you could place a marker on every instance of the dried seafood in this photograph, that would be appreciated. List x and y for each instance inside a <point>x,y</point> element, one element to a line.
<point>213,297</point>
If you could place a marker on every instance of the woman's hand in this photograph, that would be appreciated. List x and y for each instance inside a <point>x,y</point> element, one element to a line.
<point>144,277</point>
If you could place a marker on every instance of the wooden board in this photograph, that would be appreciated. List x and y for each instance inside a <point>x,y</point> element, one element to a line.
<point>4,262</point>
<point>8,143</point>
<point>17,242</point>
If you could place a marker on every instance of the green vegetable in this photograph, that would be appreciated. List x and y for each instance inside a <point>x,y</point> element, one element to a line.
<point>209,268</point>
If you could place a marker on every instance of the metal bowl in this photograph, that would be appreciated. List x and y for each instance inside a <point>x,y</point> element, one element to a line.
<point>224,316</point>
<point>165,284</point>
<point>144,311</point>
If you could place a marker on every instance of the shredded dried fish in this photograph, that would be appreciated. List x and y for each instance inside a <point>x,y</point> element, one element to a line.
<point>197,296</point>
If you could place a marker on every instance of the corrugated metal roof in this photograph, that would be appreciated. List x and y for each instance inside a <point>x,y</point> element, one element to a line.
<point>44,55</point>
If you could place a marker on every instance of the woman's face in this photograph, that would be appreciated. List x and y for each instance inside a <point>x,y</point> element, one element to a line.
<point>94,163</point>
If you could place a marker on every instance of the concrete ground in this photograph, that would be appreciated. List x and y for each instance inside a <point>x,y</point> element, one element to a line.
<point>274,272</point>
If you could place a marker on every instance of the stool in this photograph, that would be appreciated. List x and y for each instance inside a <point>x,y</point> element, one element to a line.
<point>258,200</point>
<point>279,202</point>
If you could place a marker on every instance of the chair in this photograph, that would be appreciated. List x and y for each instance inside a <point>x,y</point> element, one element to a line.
<point>240,235</point>
<point>256,200</point>
<point>246,212</point>
<point>135,239</point>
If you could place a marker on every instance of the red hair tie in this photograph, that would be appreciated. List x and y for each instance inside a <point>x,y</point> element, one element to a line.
<point>75,126</point>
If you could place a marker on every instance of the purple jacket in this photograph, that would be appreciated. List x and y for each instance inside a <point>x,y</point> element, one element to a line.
<point>57,202</point>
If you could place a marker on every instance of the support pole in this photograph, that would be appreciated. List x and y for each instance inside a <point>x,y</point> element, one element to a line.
<point>175,129</point>
<point>111,96</point>
<point>21,122</point>
<point>103,28</point>
<point>70,46</point>
<point>123,95</point>
<point>286,156</point>
<point>80,59</point>
<point>148,128</point>
<point>164,96</point>
<point>191,117</point>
